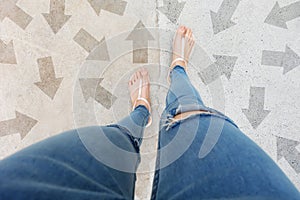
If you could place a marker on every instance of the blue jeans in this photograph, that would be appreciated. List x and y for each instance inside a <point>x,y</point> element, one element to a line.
<point>204,156</point>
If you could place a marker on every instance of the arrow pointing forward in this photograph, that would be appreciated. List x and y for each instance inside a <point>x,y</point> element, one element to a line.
<point>49,83</point>
<point>287,148</point>
<point>7,53</point>
<point>140,37</point>
<point>279,16</point>
<point>172,9</point>
<point>56,18</point>
<point>288,60</point>
<point>21,124</point>
<point>223,66</point>
<point>9,9</point>
<point>256,113</point>
<point>222,19</point>
<point>90,88</point>
<point>114,6</point>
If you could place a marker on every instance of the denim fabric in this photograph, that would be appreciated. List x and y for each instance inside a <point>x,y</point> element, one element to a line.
<point>74,165</point>
<point>234,167</point>
<point>63,167</point>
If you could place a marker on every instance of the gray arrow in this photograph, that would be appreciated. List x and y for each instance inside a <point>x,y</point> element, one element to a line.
<point>287,148</point>
<point>140,37</point>
<point>222,19</point>
<point>49,83</point>
<point>279,16</point>
<point>172,9</point>
<point>21,124</point>
<point>256,113</point>
<point>288,60</point>
<point>56,18</point>
<point>8,8</point>
<point>91,88</point>
<point>7,53</point>
<point>114,6</point>
<point>98,50</point>
<point>223,66</point>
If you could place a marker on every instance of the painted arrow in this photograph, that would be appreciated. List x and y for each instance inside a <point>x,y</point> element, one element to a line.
<point>7,53</point>
<point>288,60</point>
<point>279,16</point>
<point>56,18</point>
<point>172,9</point>
<point>140,37</point>
<point>287,148</point>
<point>113,6</point>
<point>49,83</point>
<point>223,66</point>
<point>21,124</point>
<point>91,88</point>
<point>222,19</point>
<point>8,8</point>
<point>98,50</point>
<point>256,113</point>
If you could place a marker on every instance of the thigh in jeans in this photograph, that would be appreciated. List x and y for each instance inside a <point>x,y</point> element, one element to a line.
<point>235,168</point>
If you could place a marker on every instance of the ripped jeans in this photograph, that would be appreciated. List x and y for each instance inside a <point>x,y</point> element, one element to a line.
<point>205,156</point>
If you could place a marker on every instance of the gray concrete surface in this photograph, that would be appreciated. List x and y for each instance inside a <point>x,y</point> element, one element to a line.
<point>65,64</point>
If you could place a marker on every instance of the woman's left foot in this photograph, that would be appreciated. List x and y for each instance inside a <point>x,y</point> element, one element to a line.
<point>140,82</point>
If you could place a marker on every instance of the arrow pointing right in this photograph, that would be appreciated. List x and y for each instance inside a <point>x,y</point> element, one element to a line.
<point>223,66</point>
<point>287,148</point>
<point>222,19</point>
<point>21,124</point>
<point>98,50</point>
<point>7,53</point>
<point>279,16</point>
<point>288,60</point>
<point>256,113</point>
<point>90,88</point>
<point>8,8</point>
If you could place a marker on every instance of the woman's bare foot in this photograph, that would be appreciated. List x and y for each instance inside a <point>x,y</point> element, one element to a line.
<point>140,76</point>
<point>180,51</point>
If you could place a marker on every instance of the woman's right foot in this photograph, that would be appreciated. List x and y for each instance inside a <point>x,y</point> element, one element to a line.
<point>179,49</point>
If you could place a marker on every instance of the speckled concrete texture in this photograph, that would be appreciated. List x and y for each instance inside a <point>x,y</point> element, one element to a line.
<point>65,64</point>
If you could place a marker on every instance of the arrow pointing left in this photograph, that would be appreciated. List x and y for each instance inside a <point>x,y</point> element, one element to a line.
<point>49,83</point>
<point>7,53</point>
<point>21,124</point>
<point>140,37</point>
<point>279,16</point>
<point>56,18</point>
<point>91,88</point>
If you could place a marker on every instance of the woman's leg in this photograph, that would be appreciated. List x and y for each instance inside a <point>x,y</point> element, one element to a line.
<point>86,163</point>
<point>235,168</point>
